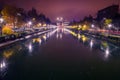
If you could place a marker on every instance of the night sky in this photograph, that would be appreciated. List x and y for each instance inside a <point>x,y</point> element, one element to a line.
<point>69,9</point>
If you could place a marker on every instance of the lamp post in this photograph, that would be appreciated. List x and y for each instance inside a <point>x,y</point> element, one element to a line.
<point>1,20</point>
<point>92,25</point>
<point>1,24</point>
<point>29,24</point>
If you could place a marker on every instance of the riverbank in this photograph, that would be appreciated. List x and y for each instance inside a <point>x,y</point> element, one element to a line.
<point>115,39</point>
<point>12,39</point>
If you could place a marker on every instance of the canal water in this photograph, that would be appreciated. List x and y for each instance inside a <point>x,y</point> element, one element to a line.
<point>60,55</point>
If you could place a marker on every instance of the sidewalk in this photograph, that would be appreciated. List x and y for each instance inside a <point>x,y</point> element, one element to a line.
<point>23,38</point>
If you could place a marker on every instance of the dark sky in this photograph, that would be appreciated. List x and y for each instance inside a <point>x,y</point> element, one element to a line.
<point>69,9</point>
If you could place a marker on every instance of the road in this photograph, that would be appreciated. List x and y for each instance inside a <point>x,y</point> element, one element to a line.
<point>60,55</point>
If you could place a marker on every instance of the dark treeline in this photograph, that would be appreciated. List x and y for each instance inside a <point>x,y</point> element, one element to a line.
<point>19,16</point>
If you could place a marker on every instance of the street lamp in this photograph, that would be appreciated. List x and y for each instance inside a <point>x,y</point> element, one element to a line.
<point>1,20</point>
<point>92,25</point>
<point>59,18</point>
<point>1,24</point>
<point>110,25</point>
<point>30,23</point>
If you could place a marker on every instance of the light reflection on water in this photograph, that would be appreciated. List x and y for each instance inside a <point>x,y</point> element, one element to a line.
<point>107,48</point>
<point>3,67</point>
<point>91,43</point>
<point>27,47</point>
<point>59,33</point>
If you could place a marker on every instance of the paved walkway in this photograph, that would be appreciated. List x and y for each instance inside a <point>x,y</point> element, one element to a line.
<point>26,37</point>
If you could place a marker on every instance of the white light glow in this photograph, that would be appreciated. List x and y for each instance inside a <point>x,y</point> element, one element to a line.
<point>92,25</point>
<point>107,52</point>
<point>30,47</point>
<point>30,23</point>
<point>110,25</point>
<point>60,36</point>
<point>1,20</point>
<point>91,43</point>
<point>79,36</point>
<point>2,65</point>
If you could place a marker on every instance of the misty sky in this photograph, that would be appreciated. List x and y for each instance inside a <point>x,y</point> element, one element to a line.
<point>69,9</point>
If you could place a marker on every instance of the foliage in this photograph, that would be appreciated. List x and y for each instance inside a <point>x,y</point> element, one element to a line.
<point>108,21</point>
<point>9,13</point>
<point>18,17</point>
<point>13,15</point>
<point>85,27</point>
<point>7,30</point>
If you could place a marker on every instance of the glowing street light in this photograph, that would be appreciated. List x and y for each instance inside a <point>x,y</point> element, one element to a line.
<point>92,25</point>
<point>30,23</point>
<point>1,20</point>
<point>59,18</point>
<point>110,25</point>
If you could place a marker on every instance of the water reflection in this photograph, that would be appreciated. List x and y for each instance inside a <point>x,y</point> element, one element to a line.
<point>27,47</point>
<point>79,36</point>
<point>44,37</point>
<point>30,48</point>
<point>59,36</point>
<point>91,44</point>
<point>37,40</point>
<point>105,47</point>
<point>107,53</point>
<point>8,53</point>
<point>33,44</point>
<point>84,38</point>
<point>3,65</point>
<point>3,68</point>
<point>59,33</point>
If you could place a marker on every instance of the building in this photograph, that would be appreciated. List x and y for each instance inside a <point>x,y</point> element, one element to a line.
<point>108,12</point>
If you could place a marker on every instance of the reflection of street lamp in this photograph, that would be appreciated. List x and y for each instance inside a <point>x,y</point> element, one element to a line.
<point>30,47</point>
<point>107,53</point>
<point>91,43</point>
<point>3,65</point>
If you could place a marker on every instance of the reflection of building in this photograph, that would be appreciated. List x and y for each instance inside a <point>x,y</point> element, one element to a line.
<point>108,12</point>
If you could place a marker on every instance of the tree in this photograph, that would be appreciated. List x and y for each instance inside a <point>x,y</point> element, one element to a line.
<point>42,18</point>
<point>48,21</point>
<point>108,21</point>
<point>7,30</point>
<point>21,17</point>
<point>9,14</point>
<point>32,14</point>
